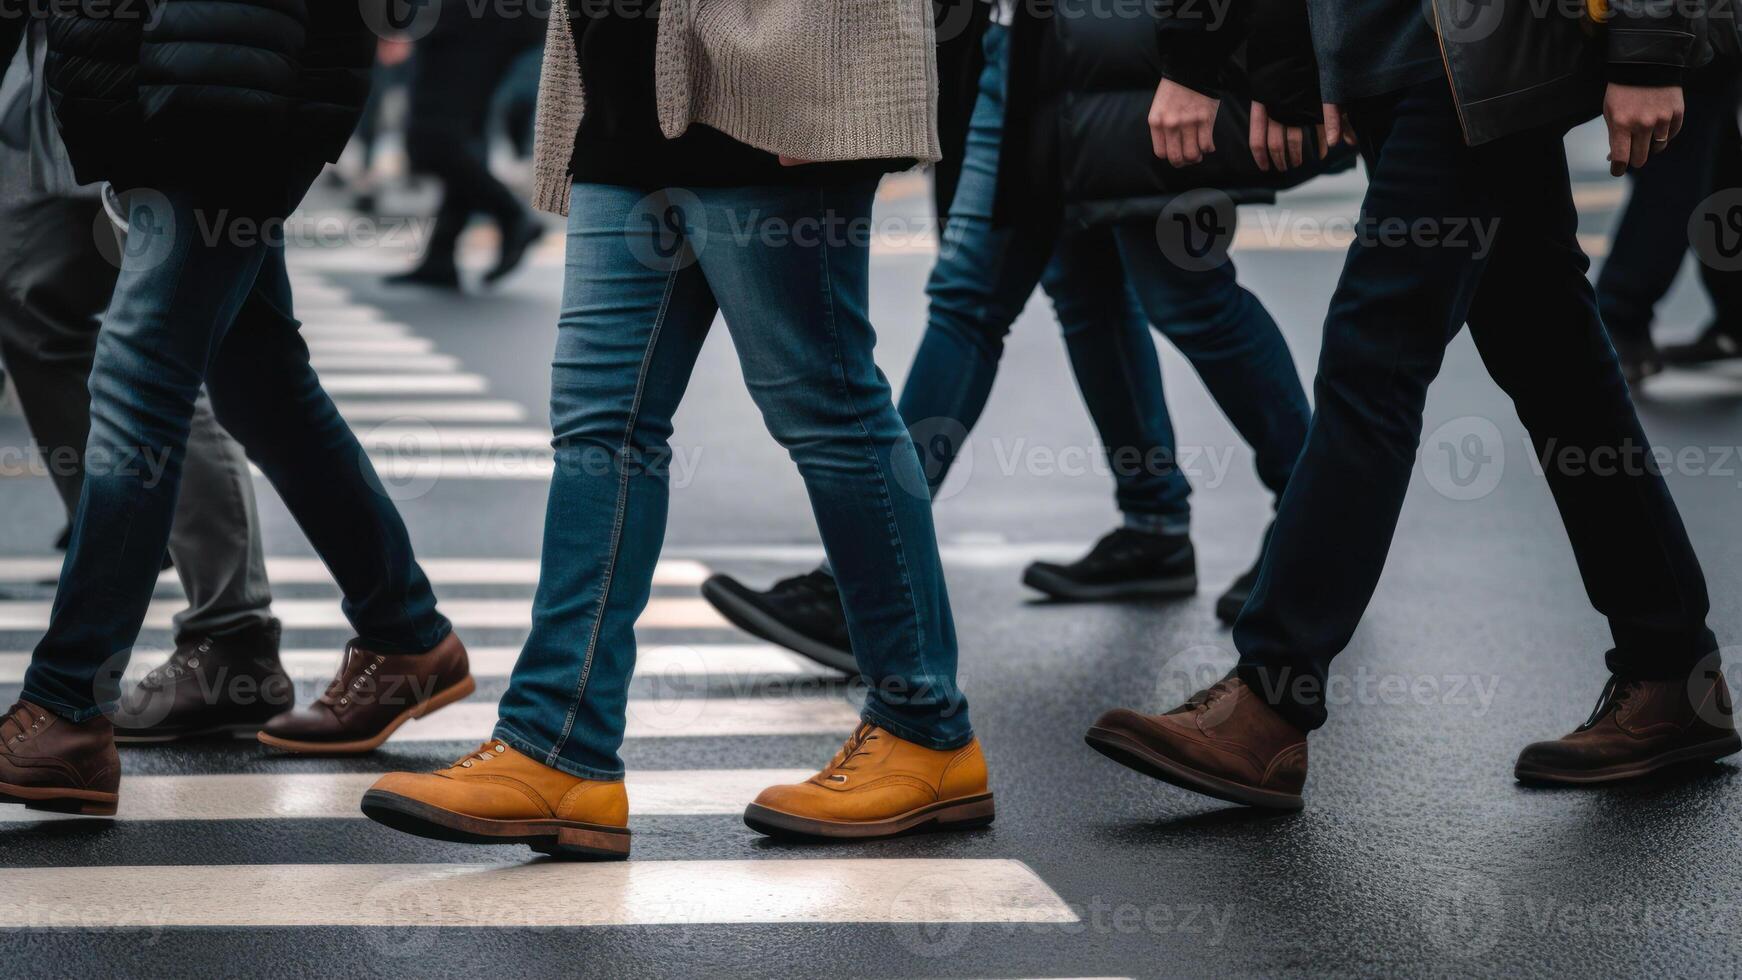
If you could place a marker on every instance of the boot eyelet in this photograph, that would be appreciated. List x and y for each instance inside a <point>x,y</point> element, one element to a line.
<point>500,747</point>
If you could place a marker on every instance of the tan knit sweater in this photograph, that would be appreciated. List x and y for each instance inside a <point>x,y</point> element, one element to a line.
<point>821,80</point>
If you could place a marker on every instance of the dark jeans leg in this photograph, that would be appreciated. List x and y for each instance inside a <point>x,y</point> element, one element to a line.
<point>1233,344</point>
<point>1651,241</point>
<point>269,398</point>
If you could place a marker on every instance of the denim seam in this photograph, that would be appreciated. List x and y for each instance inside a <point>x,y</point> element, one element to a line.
<point>871,452</point>
<point>617,520</point>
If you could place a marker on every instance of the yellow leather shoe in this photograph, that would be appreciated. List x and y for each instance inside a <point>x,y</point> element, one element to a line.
<point>499,796</point>
<point>879,785</point>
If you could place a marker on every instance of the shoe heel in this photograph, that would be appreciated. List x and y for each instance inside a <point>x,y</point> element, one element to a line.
<point>459,692</point>
<point>977,812</point>
<point>579,843</point>
<point>83,808</point>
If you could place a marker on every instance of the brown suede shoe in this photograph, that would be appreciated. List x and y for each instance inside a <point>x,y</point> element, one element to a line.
<point>879,785</point>
<point>49,763</point>
<point>499,796</point>
<point>1224,741</point>
<point>373,694</point>
<point>1638,727</point>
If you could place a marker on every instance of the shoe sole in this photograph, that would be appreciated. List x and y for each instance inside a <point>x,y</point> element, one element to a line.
<point>88,802</point>
<point>961,814</point>
<point>560,838</point>
<point>1134,755</point>
<point>759,624</point>
<point>1058,587</point>
<point>1704,752</point>
<point>441,699</point>
<point>146,736</point>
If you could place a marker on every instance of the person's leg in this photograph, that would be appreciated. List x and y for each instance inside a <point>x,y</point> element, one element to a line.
<point>635,310</point>
<point>1651,241</point>
<point>1724,284</point>
<point>214,538</point>
<point>1233,344</point>
<point>798,318</point>
<point>173,301</point>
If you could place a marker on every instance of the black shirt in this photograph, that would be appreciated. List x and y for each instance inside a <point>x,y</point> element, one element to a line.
<point>1370,47</point>
<point>620,141</point>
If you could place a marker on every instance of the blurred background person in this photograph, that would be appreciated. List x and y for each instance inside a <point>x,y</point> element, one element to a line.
<point>1653,236</point>
<point>457,71</point>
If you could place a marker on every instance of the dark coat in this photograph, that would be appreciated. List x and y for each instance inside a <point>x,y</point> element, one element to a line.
<point>226,95</point>
<point>1076,129</point>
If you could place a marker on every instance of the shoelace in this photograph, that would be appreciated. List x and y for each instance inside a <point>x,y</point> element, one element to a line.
<point>20,722</point>
<point>182,661</point>
<point>352,673</point>
<point>854,747</point>
<point>486,752</point>
<point>1615,693</point>
<point>1207,697</point>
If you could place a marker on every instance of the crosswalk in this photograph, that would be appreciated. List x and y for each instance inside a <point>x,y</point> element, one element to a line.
<point>418,410</point>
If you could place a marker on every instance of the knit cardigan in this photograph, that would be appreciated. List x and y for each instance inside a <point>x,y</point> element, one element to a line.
<point>821,80</point>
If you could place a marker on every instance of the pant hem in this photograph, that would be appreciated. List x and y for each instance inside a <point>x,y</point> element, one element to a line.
<point>399,650</point>
<point>913,735</point>
<point>77,716</point>
<point>541,753</point>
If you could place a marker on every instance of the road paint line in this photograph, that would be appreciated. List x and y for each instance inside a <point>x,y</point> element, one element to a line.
<point>378,345</point>
<point>537,894</point>
<point>517,464</point>
<point>425,440</point>
<point>470,410</point>
<point>335,796</point>
<point>403,384</point>
<point>662,613</point>
<point>665,717</point>
<point>442,571</point>
<point>323,361</point>
<point>691,662</point>
<point>371,329</point>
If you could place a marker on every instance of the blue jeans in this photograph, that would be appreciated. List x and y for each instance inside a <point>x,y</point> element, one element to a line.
<point>647,272</point>
<point>1533,315</point>
<point>1104,283</point>
<point>191,310</point>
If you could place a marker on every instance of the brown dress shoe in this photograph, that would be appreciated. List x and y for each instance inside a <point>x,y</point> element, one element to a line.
<point>879,785</point>
<point>372,695</point>
<point>1638,727</point>
<point>499,796</point>
<point>49,763</point>
<point>1224,741</point>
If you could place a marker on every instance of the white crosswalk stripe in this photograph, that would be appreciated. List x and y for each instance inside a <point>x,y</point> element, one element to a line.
<point>334,796</point>
<point>402,384</point>
<point>723,660</point>
<point>675,717</point>
<point>441,571</point>
<point>662,613</point>
<point>532,895</point>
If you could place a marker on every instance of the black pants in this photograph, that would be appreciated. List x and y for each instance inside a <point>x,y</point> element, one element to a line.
<point>454,79</point>
<point>1450,234</point>
<point>1652,239</point>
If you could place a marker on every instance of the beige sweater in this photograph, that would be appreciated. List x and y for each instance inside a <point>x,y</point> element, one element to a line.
<point>814,79</point>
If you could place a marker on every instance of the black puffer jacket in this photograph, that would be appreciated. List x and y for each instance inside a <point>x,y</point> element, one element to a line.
<point>1082,76</point>
<point>222,94</point>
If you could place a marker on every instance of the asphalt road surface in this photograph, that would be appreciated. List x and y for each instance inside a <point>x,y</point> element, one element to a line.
<point>1417,854</point>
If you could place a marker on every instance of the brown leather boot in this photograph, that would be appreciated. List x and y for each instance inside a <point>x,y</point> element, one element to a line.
<point>879,785</point>
<point>372,695</point>
<point>499,796</point>
<point>1224,741</point>
<point>49,763</point>
<point>1638,727</point>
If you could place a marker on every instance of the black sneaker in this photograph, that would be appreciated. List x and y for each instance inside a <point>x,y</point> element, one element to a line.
<point>1639,359</point>
<point>1716,343</point>
<point>516,242</point>
<point>1232,601</point>
<point>211,685</point>
<point>802,613</point>
<point>1126,564</point>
